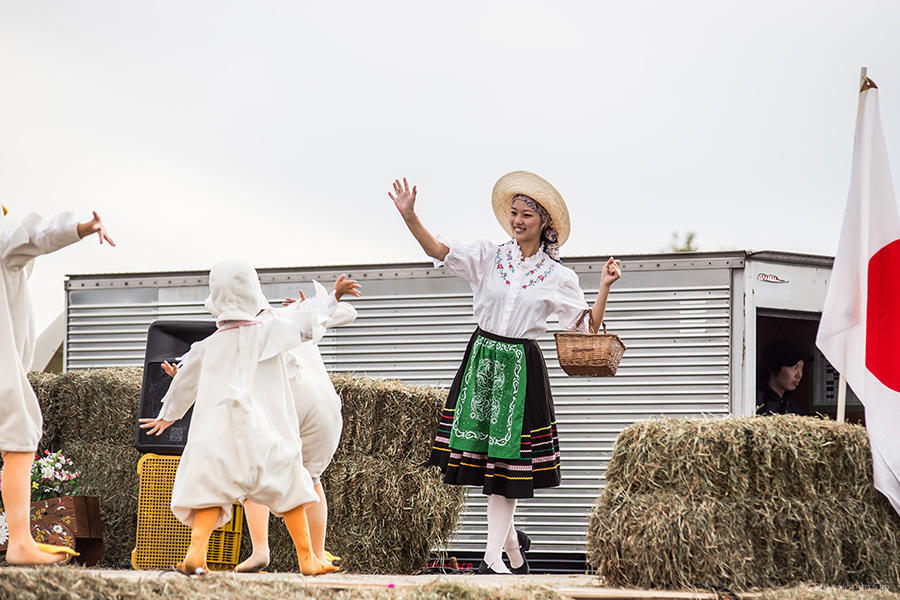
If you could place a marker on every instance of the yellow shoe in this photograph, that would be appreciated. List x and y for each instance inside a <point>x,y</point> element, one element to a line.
<point>51,549</point>
<point>331,557</point>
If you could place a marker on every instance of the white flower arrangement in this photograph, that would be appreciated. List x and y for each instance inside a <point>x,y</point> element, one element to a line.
<point>51,478</point>
<point>4,529</point>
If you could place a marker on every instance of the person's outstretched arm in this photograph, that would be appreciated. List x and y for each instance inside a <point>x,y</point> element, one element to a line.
<point>34,237</point>
<point>405,201</point>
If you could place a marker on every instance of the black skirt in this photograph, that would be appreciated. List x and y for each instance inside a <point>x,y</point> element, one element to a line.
<point>538,464</point>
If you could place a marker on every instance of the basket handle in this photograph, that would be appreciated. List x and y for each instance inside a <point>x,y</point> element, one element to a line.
<point>585,313</point>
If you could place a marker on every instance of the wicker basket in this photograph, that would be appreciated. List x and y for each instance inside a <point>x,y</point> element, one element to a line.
<point>589,354</point>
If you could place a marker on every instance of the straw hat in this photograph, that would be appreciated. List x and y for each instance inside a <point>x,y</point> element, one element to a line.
<point>537,188</point>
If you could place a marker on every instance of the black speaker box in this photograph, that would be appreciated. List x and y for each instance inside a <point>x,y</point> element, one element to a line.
<point>166,341</point>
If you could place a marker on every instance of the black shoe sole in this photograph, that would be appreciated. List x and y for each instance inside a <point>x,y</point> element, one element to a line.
<point>484,569</point>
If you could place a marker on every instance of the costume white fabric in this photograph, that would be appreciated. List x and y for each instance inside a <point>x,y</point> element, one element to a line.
<point>499,276</point>
<point>20,414</point>
<point>318,405</point>
<point>243,443</point>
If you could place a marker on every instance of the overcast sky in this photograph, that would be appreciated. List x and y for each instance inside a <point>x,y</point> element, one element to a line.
<point>271,131</point>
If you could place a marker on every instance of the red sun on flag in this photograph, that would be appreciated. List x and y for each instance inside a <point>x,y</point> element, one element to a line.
<point>883,316</point>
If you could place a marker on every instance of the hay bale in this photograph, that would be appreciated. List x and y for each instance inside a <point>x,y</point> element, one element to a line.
<point>741,503</point>
<point>744,456</point>
<point>376,484</point>
<point>386,516</point>
<point>807,592</point>
<point>98,405</point>
<point>109,471</point>
<point>91,416</point>
<point>387,511</point>
<point>72,583</point>
<point>383,517</point>
<point>388,418</point>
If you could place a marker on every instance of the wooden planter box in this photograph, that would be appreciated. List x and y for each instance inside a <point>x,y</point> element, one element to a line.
<point>72,521</point>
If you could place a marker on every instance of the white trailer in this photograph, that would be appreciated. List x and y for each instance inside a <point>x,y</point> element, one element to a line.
<point>692,322</point>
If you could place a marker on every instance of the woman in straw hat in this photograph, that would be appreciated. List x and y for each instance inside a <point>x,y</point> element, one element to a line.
<point>498,428</point>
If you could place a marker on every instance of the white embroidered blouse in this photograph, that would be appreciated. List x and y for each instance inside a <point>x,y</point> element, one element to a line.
<point>514,297</point>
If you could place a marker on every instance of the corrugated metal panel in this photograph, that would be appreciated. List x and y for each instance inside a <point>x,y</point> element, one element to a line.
<point>414,326</point>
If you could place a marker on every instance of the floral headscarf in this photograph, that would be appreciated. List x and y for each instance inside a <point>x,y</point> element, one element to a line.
<point>548,235</point>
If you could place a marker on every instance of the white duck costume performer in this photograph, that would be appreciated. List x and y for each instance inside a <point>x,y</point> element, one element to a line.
<point>318,404</point>
<point>21,422</point>
<point>318,408</point>
<point>498,428</point>
<point>243,443</point>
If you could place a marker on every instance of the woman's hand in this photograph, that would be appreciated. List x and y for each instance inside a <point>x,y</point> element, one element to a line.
<point>611,272</point>
<point>156,426</point>
<point>95,225</point>
<point>170,369</point>
<point>405,200</point>
<point>348,286</point>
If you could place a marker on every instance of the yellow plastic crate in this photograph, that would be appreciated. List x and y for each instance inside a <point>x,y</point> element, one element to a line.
<point>162,540</point>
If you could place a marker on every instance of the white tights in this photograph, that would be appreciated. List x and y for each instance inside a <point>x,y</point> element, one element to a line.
<point>501,534</point>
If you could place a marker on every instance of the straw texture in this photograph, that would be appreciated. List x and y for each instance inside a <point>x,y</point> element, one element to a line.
<point>743,503</point>
<point>387,510</point>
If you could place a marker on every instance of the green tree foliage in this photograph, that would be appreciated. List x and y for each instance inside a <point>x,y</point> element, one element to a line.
<point>683,242</point>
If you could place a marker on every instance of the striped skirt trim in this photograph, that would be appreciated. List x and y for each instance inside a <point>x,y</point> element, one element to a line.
<point>538,463</point>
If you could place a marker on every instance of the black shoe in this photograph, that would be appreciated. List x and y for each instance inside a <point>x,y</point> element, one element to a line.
<point>524,540</point>
<point>524,545</point>
<point>485,569</point>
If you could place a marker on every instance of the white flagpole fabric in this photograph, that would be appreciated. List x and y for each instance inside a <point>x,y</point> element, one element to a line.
<point>860,328</point>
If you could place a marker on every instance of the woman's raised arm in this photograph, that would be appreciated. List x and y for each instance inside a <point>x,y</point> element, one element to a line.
<point>611,273</point>
<point>405,201</point>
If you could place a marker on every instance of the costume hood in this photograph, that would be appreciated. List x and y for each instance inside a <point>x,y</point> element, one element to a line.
<point>235,293</point>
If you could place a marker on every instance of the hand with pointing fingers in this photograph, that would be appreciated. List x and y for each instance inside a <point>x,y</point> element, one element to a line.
<point>95,225</point>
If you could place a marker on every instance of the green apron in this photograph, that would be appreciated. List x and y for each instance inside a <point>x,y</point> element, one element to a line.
<point>491,403</point>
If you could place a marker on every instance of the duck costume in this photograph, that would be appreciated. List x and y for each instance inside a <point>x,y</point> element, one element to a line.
<point>21,422</point>
<point>318,408</point>
<point>243,443</point>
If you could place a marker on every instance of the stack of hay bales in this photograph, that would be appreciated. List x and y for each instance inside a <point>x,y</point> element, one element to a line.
<point>387,511</point>
<point>742,503</point>
<point>91,416</point>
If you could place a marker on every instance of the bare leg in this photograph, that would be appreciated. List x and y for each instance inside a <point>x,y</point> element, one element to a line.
<point>258,524</point>
<point>202,527</point>
<point>317,514</point>
<point>298,527</point>
<point>500,512</point>
<point>22,549</point>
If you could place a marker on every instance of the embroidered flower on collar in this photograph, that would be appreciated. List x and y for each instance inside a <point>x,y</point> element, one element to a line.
<point>509,257</point>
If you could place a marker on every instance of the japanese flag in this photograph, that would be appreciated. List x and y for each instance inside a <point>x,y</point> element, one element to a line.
<point>860,329</point>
